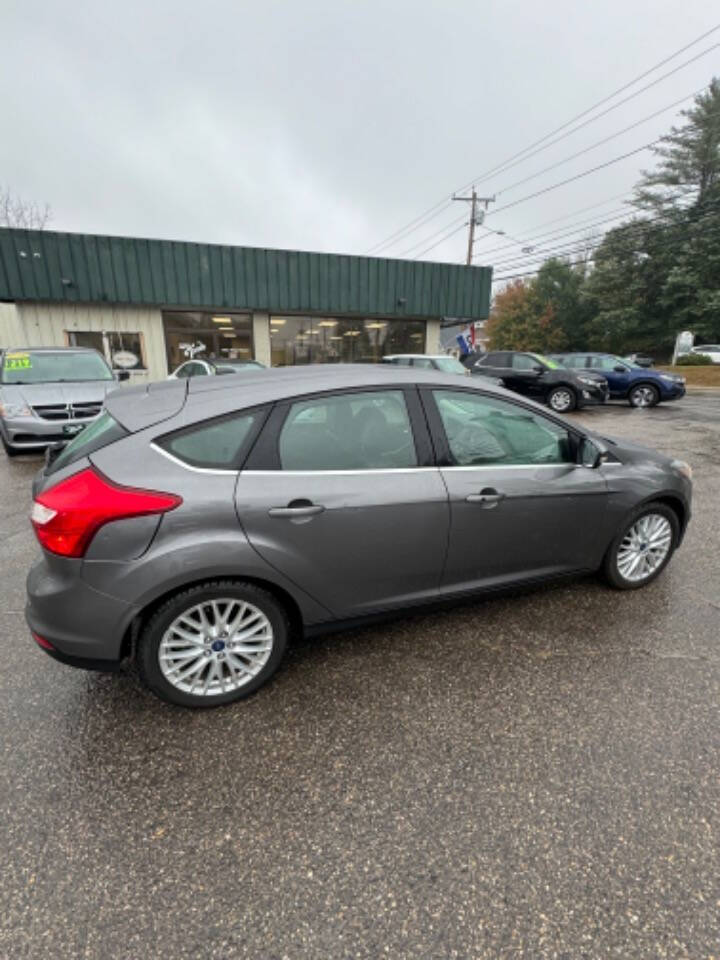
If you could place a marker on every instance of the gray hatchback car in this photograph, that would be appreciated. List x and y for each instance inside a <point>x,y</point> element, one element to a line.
<point>198,525</point>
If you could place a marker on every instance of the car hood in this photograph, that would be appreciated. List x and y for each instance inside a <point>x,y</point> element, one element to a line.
<point>45,394</point>
<point>628,452</point>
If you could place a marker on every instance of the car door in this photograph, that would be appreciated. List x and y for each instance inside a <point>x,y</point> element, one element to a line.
<point>495,364</point>
<point>525,378</point>
<point>618,374</point>
<point>520,505</point>
<point>341,495</point>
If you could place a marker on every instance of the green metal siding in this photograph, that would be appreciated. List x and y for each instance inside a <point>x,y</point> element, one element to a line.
<point>126,270</point>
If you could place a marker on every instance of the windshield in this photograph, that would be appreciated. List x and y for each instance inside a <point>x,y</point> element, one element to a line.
<point>449,365</point>
<point>49,367</point>
<point>546,361</point>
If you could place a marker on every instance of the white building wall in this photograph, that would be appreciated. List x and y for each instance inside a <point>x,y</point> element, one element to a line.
<point>47,325</point>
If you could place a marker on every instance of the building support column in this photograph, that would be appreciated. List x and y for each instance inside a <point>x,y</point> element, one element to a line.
<point>261,337</point>
<point>432,336</point>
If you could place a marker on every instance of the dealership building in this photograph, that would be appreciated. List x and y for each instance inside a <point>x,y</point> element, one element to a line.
<point>148,305</point>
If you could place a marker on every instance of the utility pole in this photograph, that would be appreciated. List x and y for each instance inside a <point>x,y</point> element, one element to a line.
<point>476,218</point>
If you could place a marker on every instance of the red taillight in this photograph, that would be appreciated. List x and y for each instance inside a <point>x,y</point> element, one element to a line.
<point>41,641</point>
<point>68,516</point>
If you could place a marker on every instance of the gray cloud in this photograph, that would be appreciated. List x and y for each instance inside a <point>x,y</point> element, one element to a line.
<point>321,124</point>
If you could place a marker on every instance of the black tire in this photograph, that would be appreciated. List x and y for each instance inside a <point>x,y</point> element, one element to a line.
<point>10,451</point>
<point>610,565</point>
<point>562,399</point>
<point>149,642</point>
<point>644,395</point>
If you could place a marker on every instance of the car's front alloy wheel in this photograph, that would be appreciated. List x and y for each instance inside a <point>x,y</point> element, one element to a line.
<point>562,399</point>
<point>644,395</point>
<point>643,547</point>
<point>213,644</point>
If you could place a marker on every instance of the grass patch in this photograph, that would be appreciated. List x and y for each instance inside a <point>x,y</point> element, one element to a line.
<point>698,376</point>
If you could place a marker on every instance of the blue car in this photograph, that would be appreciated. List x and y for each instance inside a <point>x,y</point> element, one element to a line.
<point>640,386</point>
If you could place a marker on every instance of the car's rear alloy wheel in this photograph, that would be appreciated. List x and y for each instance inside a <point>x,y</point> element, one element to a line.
<point>643,548</point>
<point>644,395</point>
<point>213,644</point>
<point>562,399</point>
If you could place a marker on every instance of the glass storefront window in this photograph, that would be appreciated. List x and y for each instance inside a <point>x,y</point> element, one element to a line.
<point>298,340</point>
<point>211,336</point>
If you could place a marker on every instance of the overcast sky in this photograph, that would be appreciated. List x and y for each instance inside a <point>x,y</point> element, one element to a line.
<point>329,124</point>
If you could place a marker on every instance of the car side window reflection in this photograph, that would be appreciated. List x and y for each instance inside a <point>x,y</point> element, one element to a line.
<point>483,430</point>
<point>356,431</point>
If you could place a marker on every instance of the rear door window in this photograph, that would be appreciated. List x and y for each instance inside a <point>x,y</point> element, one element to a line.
<point>355,431</point>
<point>217,444</point>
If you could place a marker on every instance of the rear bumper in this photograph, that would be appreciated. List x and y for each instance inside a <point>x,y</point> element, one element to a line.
<point>84,627</point>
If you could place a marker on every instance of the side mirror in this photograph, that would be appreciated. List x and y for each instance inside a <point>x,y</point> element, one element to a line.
<point>592,453</point>
<point>620,369</point>
<point>122,375</point>
<point>539,369</point>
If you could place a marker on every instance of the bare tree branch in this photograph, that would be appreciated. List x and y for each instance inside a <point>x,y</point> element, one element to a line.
<point>16,212</point>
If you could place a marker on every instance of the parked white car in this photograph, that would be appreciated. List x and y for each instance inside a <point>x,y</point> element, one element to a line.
<point>211,368</point>
<point>711,350</point>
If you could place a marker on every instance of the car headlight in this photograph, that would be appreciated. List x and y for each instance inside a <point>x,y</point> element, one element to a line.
<point>589,381</point>
<point>671,378</point>
<point>680,466</point>
<point>15,410</point>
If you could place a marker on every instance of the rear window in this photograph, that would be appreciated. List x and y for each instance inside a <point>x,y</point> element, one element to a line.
<point>96,435</point>
<point>219,444</point>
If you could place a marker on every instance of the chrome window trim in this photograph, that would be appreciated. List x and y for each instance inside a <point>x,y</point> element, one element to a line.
<point>218,471</point>
<point>338,473</point>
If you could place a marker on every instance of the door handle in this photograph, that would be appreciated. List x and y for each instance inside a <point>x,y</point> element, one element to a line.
<point>301,509</point>
<point>488,496</point>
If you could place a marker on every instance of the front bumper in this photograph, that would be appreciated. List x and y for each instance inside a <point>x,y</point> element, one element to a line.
<point>85,627</point>
<point>32,433</point>
<point>670,392</point>
<point>594,394</point>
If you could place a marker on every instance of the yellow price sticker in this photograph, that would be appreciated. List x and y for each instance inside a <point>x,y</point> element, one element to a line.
<point>17,361</point>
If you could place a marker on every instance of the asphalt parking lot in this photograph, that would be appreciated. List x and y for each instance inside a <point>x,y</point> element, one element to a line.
<point>528,776</point>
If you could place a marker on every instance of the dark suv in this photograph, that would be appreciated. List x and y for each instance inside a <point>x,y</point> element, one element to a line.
<point>544,379</point>
<point>627,381</point>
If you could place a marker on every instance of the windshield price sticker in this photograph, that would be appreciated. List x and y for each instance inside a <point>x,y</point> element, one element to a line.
<point>17,361</point>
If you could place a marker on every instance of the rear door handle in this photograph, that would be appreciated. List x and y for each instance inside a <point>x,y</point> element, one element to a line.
<point>301,509</point>
<point>487,496</point>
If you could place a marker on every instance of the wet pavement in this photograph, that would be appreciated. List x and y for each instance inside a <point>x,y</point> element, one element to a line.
<point>529,776</point>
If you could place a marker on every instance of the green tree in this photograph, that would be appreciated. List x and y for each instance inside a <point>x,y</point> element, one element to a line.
<point>660,273</point>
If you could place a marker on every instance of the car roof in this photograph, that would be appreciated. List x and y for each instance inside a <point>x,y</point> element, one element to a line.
<point>49,350</point>
<point>204,397</point>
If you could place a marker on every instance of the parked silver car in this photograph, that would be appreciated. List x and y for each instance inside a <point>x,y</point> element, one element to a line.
<point>49,394</point>
<point>198,524</point>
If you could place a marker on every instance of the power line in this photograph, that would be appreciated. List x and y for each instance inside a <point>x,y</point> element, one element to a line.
<point>600,143</point>
<point>578,176</point>
<point>507,166</point>
<point>434,210</point>
<point>419,243</point>
<point>639,225</point>
<point>438,242</point>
